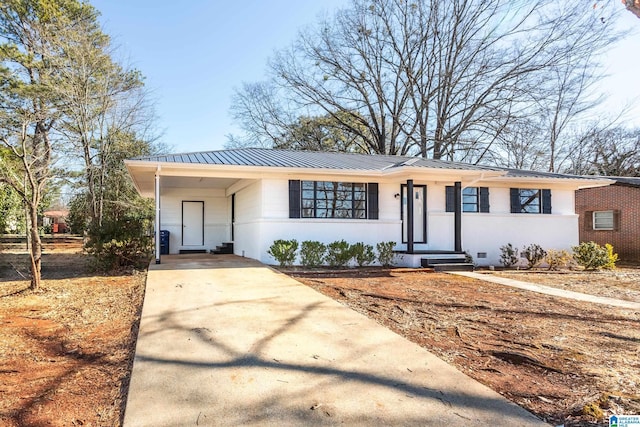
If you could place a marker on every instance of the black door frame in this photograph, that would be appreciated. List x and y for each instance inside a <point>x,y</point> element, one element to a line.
<point>410,215</point>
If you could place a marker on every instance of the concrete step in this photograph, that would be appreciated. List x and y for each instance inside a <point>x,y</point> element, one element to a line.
<point>454,267</point>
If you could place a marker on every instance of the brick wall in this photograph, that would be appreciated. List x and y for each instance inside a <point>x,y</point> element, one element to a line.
<point>621,198</point>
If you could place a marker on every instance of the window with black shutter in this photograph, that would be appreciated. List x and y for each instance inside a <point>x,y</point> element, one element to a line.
<point>530,200</point>
<point>333,199</point>
<point>474,199</point>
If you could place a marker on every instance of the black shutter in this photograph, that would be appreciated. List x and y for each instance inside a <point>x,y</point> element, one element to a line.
<point>515,201</point>
<point>372,200</point>
<point>546,201</point>
<point>616,220</point>
<point>588,221</point>
<point>294,198</point>
<point>450,199</point>
<point>484,199</point>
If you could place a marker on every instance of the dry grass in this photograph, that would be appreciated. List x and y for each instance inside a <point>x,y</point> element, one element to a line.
<point>66,349</point>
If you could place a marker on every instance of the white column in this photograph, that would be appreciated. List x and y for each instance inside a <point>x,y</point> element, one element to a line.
<point>157,225</point>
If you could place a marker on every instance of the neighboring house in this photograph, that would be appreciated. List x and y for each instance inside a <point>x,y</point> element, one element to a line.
<point>56,219</point>
<point>612,215</point>
<point>253,196</point>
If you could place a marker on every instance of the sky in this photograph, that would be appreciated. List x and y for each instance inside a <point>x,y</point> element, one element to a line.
<point>196,52</point>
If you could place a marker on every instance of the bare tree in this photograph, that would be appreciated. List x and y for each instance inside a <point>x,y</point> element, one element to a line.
<point>426,77</point>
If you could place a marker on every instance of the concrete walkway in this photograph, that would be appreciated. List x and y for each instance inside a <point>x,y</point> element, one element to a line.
<point>549,290</point>
<point>227,341</point>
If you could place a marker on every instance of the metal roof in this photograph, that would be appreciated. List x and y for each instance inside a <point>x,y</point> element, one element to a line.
<point>306,159</point>
<point>265,157</point>
<point>623,180</point>
<point>521,173</point>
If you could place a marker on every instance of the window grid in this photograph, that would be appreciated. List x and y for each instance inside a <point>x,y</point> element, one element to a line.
<point>603,220</point>
<point>330,199</point>
<point>530,201</point>
<point>470,199</point>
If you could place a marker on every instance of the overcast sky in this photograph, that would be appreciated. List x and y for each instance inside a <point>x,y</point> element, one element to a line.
<point>194,53</point>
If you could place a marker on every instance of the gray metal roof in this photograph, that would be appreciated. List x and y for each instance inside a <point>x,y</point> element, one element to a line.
<point>624,180</point>
<point>521,173</point>
<point>265,157</point>
<point>306,159</point>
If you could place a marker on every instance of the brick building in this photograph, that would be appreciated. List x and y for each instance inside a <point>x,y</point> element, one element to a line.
<point>612,215</point>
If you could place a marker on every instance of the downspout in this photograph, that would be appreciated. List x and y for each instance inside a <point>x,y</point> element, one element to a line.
<point>471,183</point>
<point>157,223</point>
<point>457,236</point>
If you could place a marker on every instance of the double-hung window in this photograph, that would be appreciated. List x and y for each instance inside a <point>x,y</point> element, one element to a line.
<point>328,199</point>
<point>474,199</point>
<point>333,199</point>
<point>530,200</point>
<point>603,220</point>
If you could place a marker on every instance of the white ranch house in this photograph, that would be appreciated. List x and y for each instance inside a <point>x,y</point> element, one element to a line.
<point>251,197</point>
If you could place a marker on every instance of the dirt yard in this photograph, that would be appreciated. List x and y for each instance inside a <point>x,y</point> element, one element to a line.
<point>568,362</point>
<point>66,349</point>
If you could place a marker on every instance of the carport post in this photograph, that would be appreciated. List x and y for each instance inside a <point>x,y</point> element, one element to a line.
<point>157,224</point>
<point>457,234</point>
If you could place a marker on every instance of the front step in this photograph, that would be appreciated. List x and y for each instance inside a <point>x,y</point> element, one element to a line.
<point>192,251</point>
<point>225,248</point>
<point>452,261</point>
<point>457,266</point>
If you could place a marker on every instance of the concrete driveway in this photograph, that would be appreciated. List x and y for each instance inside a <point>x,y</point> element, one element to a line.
<point>227,341</point>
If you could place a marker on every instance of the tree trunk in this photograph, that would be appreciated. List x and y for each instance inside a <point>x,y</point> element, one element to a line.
<point>36,248</point>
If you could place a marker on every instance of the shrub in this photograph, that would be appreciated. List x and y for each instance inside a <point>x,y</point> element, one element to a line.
<point>592,256</point>
<point>363,254</point>
<point>534,254</point>
<point>284,251</point>
<point>338,253</point>
<point>611,257</point>
<point>116,254</point>
<point>508,255</point>
<point>121,242</point>
<point>312,253</point>
<point>385,253</point>
<point>557,259</point>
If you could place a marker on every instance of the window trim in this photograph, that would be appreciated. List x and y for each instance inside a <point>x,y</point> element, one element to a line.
<point>543,195</point>
<point>476,196</point>
<point>482,196</point>
<point>352,200</point>
<point>613,220</point>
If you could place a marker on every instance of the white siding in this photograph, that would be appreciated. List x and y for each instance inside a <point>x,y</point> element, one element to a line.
<point>275,223</point>
<point>216,216</point>
<point>248,211</point>
<point>262,216</point>
<point>488,232</point>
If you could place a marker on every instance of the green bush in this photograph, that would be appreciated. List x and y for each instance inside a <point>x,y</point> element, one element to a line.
<point>116,254</point>
<point>385,253</point>
<point>592,256</point>
<point>121,242</point>
<point>363,254</point>
<point>508,255</point>
<point>338,253</point>
<point>534,254</point>
<point>312,253</point>
<point>557,259</point>
<point>284,251</point>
